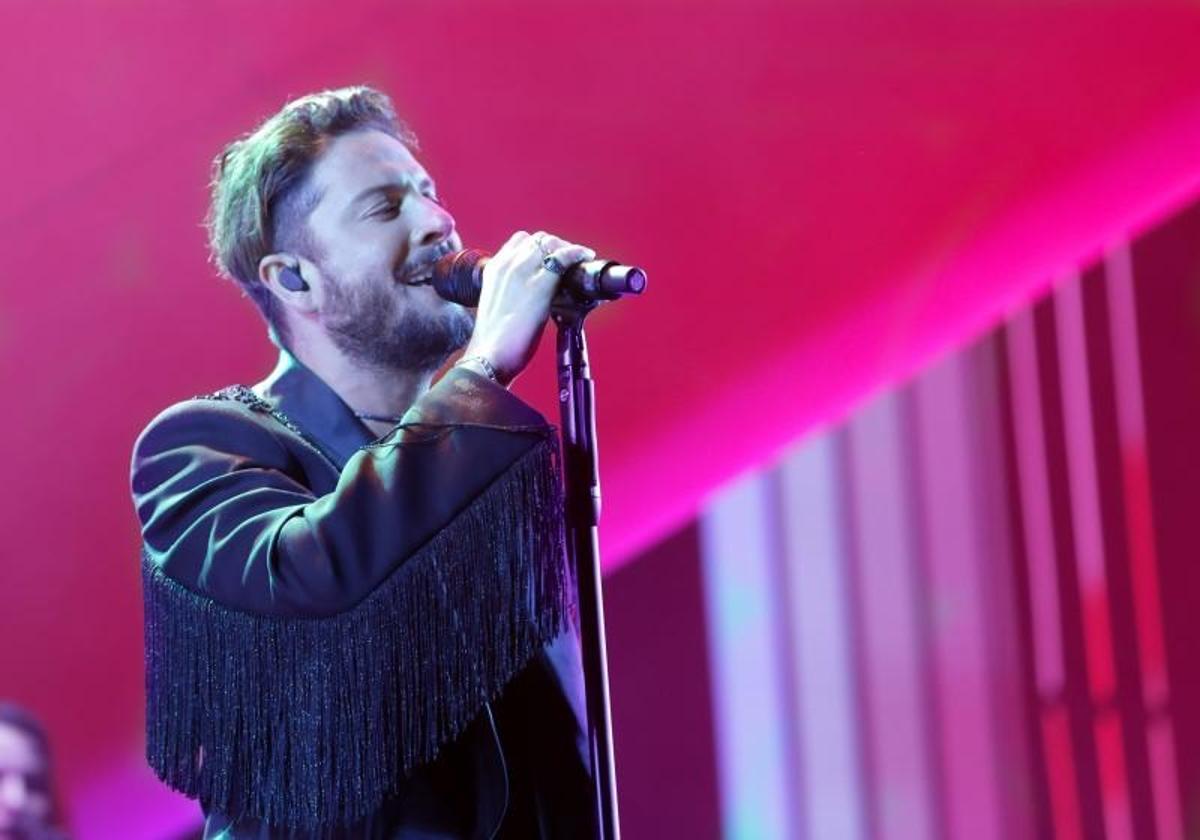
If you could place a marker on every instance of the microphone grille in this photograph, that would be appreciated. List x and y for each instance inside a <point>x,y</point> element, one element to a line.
<point>456,276</point>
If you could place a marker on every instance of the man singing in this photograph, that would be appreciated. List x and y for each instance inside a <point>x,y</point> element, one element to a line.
<point>359,616</point>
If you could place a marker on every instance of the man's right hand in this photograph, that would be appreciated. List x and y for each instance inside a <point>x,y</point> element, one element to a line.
<point>515,300</point>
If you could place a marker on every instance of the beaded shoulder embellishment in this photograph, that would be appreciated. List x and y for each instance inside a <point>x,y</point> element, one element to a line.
<point>247,397</point>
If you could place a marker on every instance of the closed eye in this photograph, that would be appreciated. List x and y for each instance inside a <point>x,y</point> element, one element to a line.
<point>388,210</point>
<point>391,208</point>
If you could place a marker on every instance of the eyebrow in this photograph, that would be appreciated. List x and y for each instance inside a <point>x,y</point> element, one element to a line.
<point>391,186</point>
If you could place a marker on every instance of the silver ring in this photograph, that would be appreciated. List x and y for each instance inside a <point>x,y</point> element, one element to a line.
<point>551,264</point>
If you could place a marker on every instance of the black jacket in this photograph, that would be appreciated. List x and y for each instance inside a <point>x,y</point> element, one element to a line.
<point>359,637</point>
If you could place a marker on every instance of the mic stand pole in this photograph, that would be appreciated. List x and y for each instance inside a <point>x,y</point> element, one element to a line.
<point>576,397</point>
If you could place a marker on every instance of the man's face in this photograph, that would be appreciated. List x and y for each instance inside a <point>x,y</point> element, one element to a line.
<point>376,226</point>
<point>24,784</point>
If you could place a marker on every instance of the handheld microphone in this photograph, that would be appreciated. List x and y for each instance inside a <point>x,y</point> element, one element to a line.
<point>459,277</point>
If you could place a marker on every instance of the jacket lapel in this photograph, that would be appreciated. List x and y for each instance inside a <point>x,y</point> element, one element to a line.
<point>304,398</point>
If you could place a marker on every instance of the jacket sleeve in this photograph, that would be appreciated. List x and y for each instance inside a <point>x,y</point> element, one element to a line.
<point>305,652</point>
<point>225,511</point>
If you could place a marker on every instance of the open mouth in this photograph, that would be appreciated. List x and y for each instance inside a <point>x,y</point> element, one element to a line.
<point>422,276</point>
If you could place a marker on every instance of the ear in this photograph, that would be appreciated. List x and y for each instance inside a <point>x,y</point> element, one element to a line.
<point>284,277</point>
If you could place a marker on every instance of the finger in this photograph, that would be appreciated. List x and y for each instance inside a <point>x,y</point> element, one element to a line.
<point>565,257</point>
<point>550,244</point>
<point>514,242</point>
<point>586,253</point>
<point>533,251</point>
<point>542,243</point>
<point>524,251</point>
<point>571,254</point>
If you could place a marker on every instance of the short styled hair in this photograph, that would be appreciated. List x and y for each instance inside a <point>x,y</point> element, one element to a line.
<point>259,197</point>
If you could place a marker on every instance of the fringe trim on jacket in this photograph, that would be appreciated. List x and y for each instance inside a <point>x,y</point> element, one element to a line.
<point>308,723</point>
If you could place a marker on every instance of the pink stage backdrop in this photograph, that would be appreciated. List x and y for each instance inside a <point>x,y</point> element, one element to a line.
<point>826,196</point>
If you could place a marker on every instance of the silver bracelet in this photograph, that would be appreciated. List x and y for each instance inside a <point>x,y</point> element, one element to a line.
<point>488,370</point>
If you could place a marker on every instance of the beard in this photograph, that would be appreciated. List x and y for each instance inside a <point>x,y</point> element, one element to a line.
<point>370,323</point>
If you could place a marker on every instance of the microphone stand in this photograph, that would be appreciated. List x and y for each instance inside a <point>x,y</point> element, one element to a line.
<point>577,407</point>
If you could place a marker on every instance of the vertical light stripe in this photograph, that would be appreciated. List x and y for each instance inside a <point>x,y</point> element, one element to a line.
<point>1061,774</point>
<point>1167,814</point>
<point>1114,782</point>
<point>1123,330</point>
<point>1143,556</point>
<point>1080,442</point>
<point>1036,514</point>
<point>784,620</point>
<point>1091,575</point>
<point>1032,475</point>
<point>824,654</point>
<point>1017,787</point>
<point>736,545</point>
<point>891,658</point>
<point>1131,426</point>
<point>953,554</point>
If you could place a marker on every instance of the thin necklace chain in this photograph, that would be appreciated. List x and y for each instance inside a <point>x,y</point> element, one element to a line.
<point>377,418</point>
